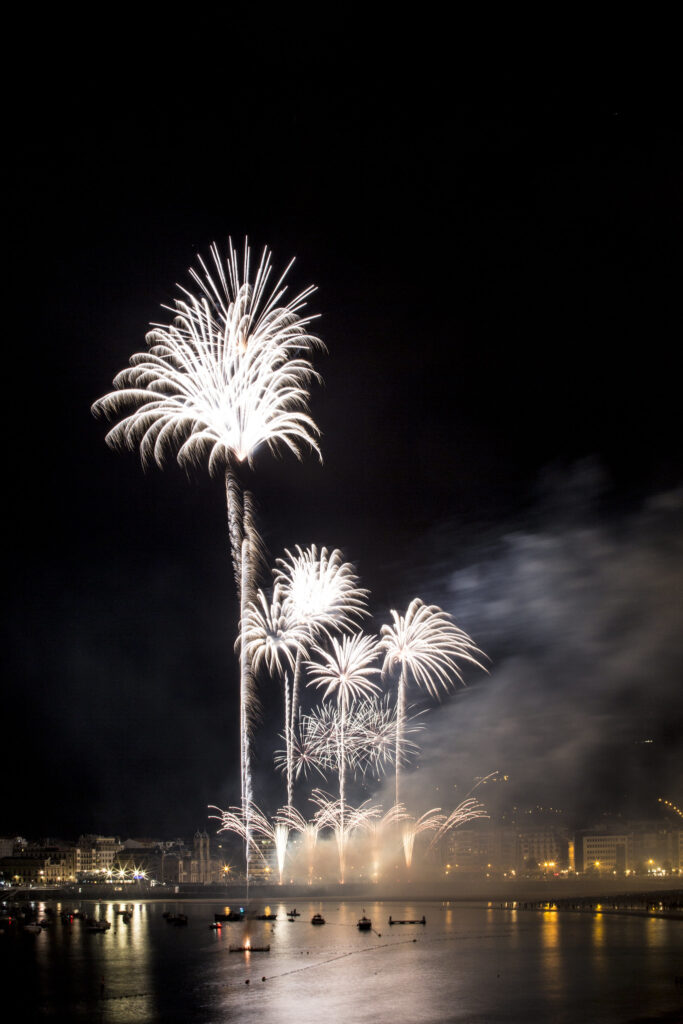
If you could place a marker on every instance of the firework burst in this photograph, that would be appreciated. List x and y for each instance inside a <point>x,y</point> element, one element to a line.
<point>426,646</point>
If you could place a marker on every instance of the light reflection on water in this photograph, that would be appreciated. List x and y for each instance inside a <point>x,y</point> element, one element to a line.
<point>469,963</point>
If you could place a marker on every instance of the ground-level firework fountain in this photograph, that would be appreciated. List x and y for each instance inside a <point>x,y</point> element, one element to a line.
<point>362,837</point>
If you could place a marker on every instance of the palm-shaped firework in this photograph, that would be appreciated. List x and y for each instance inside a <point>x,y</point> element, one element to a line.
<point>230,373</point>
<point>425,645</point>
<point>346,671</point>
<point>271,636</point>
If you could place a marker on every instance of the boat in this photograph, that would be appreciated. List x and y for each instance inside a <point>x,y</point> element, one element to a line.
<point>232,915</point>
<point>293,913</point>
<point>33,929</point>
<point>266,917</point>
<point>250,949</point>
<point>317,919</point>
<point>98,926</point>
<point>365,924</point>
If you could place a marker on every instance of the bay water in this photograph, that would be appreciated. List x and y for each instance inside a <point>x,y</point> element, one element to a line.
<point>478,963</point>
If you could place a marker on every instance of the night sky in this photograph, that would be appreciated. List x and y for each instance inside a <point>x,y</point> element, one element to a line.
<point>498,286</point>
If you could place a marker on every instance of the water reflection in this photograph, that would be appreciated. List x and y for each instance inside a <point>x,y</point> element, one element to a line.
<point>90,973</point>
<point>470,961</point>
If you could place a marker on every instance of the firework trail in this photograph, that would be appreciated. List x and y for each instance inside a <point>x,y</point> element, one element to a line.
<point>425,645</point>
<point>229,374</point>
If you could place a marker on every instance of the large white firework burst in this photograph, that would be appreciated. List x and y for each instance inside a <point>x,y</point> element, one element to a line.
<point>321,589</point>
<point>229,374</point>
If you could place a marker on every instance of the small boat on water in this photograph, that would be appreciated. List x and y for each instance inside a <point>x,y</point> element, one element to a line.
<point>365,924</point>
<point>317,919</point>
<point>250,949</point>
<point>232,915</point>
<point>98,926</point>
<point>33,929</point>
<point>266,917</point>
<point>293,913</point>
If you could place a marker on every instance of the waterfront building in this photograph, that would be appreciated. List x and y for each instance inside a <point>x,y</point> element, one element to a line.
<point>543,847</point>
<point>604,851</point>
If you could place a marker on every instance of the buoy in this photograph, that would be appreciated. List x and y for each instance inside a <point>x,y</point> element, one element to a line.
<point>247,981</point>
<point>263,978</point>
